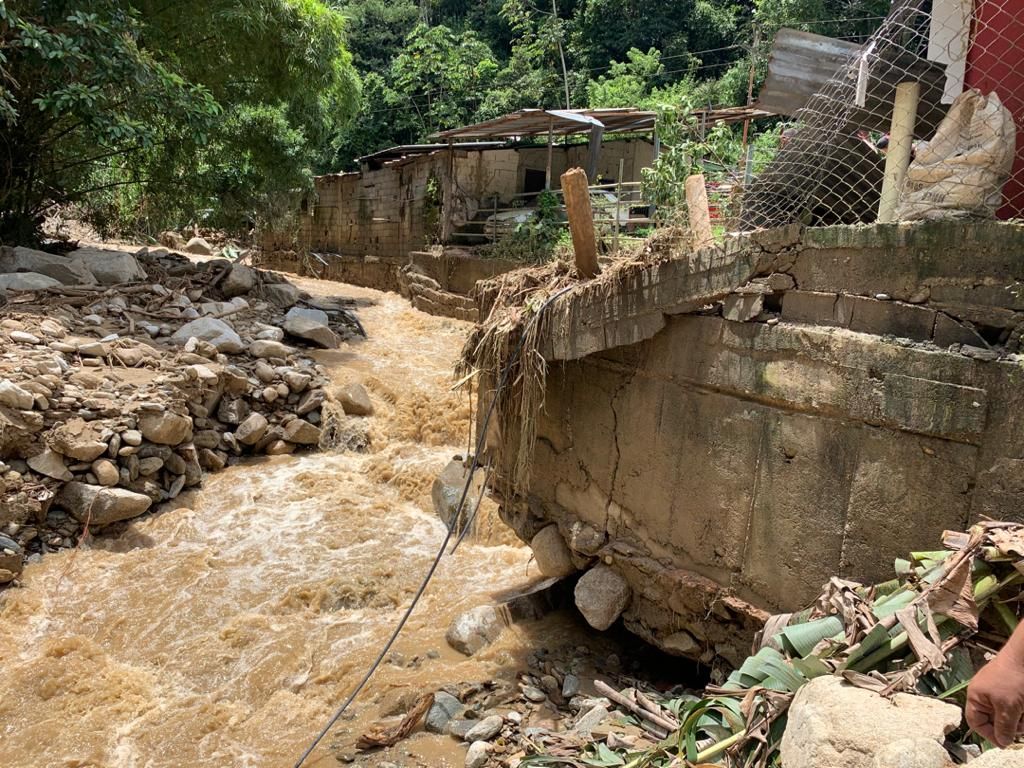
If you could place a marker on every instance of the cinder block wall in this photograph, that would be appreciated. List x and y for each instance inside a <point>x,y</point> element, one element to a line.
<point>382,213</point>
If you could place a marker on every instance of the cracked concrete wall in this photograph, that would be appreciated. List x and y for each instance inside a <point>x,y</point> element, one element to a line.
<point>727,468</point>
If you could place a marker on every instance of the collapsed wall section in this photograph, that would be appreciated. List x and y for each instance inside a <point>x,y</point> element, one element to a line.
<point>813,423</point>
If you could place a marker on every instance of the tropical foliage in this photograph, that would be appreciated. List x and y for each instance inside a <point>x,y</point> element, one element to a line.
<point>147,113</point>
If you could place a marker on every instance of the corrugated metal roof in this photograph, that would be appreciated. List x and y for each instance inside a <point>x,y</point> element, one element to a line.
<point>409,150</point>
<point>566,122</point>
<point>561,122</point>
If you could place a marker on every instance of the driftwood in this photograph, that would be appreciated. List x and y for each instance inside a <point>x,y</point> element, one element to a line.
<point>384,736</point>
<point>663,723</point>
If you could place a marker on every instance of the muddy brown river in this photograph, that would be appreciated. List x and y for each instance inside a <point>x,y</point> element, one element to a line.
<point>224,631</point>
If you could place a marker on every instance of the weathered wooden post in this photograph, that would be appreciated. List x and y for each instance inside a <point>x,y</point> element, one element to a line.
<point>581,220</point>
<point>700,216</point>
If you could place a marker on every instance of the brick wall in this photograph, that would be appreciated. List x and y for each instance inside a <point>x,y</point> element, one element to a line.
<point>383,212</point>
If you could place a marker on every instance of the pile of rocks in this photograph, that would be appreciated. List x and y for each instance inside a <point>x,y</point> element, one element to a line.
<point>124,376</point>
<point>555,706</point>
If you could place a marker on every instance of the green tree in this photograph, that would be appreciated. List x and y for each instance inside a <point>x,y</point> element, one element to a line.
<point>605,30</point>
<point>437,80</point>
<point>628,83</point>
<point>140,112</point>
<point>377,30</point>
<point>444,75</point>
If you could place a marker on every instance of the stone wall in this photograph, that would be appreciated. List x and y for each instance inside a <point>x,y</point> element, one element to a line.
<point>853,395</point>
<point>455,270</point>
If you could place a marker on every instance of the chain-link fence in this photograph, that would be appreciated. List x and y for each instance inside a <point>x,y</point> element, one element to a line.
<point>919,122</point>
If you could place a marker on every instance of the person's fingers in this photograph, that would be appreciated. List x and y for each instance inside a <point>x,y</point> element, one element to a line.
<point>977,713</point>
<point>987,732</point>
<point>1005,731</point>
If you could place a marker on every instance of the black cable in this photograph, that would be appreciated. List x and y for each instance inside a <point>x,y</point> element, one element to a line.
<point>474,466</point>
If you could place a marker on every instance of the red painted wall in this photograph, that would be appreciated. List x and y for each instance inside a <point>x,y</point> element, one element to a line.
<point>995,62</point>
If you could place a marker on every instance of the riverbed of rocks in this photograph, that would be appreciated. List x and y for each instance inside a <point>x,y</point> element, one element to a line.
<point>578,706</point>
<point>124,377</point>
<point>553,706</point>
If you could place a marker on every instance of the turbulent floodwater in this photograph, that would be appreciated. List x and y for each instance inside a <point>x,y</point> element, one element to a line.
<point>224,633</point>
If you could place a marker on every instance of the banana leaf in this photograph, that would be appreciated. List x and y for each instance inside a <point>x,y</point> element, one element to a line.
<point>801,639</point>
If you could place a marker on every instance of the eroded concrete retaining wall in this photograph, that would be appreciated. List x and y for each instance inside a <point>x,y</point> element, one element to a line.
<point>729,467</point>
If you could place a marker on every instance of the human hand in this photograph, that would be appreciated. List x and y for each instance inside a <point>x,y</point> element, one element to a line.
<point>995,699</point>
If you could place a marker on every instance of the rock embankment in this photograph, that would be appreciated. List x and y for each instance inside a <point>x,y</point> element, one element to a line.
<point>123,378</point>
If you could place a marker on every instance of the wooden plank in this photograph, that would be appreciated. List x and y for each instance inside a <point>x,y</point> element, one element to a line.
<point>581,220</point>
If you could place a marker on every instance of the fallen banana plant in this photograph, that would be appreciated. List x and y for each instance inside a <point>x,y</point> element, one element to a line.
<point>924,632</point>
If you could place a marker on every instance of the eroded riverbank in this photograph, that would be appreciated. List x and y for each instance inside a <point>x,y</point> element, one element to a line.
<point>223,631</point>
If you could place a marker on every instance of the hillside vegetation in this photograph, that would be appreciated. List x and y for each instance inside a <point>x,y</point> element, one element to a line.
<point>137,115</point>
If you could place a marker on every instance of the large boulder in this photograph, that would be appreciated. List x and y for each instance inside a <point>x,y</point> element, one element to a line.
<point>447,491</point>
<point>252,430</point>
<point>354,399</point>
<point>171,239</point>
<point>444,709</point>
<point>835,725</point>
<point>269,350</point>
<point>67,270</point>
<point>101,506</point>
<point>199,246</point>
<point>111,267</point>
<point>475,629</point>
<point>79,439</point>
<point>239,281</point>
<point>283,295</point>
<point>166,428</point>
<point>210,329</point>
<point>602,594</point>
<point>27,281</point>
<point>13,396</point>
<point>485,729</point>
<point>50,464</point>
<point>311,325</point>
<point>551,553</point>
<point>301,432</point>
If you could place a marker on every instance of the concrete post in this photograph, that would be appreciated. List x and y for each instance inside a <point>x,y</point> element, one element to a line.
<point>901,139</point>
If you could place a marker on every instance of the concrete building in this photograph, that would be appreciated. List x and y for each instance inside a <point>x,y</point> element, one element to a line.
<point>408,198</point>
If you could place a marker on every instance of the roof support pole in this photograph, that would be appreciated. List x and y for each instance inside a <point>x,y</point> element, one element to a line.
<point>594,152</point>
<point>448,197</point>
<point>551,154</point>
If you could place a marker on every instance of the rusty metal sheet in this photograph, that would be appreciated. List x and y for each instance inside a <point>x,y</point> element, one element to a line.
<point>800,65</point>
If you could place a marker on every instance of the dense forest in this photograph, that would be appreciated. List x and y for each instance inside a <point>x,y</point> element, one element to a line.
<point>137,115</point>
